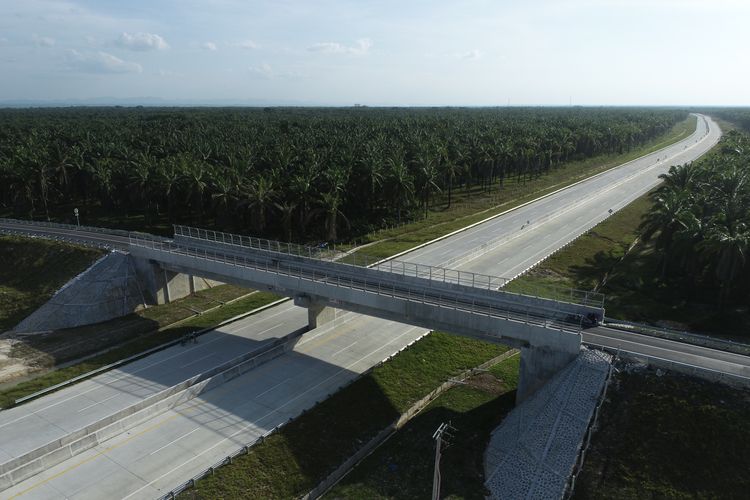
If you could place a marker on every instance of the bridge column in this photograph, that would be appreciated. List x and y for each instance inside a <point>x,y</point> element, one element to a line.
<point>539,364</point>
<point>317,313</point>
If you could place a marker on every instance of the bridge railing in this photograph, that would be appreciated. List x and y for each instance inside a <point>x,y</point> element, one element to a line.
<point>67,227</point>
<point>394,266</point>
<point>519,311</point>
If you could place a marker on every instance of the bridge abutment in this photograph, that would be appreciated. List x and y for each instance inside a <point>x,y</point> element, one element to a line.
<point>541,363</point>
<point>162,286</point>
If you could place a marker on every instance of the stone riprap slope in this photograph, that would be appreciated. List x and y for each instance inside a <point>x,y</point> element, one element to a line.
<point>532,453</point>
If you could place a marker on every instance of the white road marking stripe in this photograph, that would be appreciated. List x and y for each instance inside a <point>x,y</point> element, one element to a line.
<point>173,441</point>
<point>344,348</point>
<point>272,388</point>
<point>97,403</point>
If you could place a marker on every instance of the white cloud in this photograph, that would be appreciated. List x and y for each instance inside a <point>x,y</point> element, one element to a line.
<point>209,46</point>
<point>264,71</point>
<point>43,41</point>
<point>142,41</point>
<point>101,62</point>
<point>362,47</point>
<point>246,44</point>
<point>471,55</point>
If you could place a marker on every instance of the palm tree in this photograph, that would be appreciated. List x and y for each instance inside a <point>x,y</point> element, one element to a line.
<point>260,194</point>
<point>303,185</point>
<point>225,188</point>
<point>337,177</point>
<point>450,169</point>
<point>401,181</point>
<point>670,214</point>
<point>286,209</point>
<point>727,244</point>
<point>427,175</point>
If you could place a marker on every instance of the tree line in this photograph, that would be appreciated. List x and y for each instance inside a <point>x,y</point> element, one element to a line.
<point>292,173</point>
<point>700,221</point>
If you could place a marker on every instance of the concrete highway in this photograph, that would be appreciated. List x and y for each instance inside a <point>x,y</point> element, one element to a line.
<point>152,458</point>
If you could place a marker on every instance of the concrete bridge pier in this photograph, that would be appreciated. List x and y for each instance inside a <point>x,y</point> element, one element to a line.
<point>318,314</point>
<point>541,363</point>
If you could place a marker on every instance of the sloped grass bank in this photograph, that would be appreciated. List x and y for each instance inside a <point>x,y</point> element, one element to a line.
<point>32,270</point>
<point>403,467</point>
<point>669,436</point>
<point>292,461</point>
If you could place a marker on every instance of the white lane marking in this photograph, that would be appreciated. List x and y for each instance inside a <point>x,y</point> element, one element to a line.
<point>199,359</point>
<point>672,360</point>
<point>284,311</point>
<point>256,422</point>
<point>173,441</point>
<point>343,349</point>
<point>97,403</point>
<point>272,388</point>
<point>617,340</point>
<point>100,385</point>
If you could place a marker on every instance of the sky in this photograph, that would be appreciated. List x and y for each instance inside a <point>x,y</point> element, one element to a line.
<point>377,52</point>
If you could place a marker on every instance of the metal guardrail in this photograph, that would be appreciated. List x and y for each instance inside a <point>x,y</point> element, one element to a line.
<point>693,338</point>
<point>190,483</point>
<point>523,313</point>
<point>432,273</point>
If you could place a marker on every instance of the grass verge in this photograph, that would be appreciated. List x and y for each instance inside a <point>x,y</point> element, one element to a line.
<point>292,461</point>
<point>136,346</point>
<point>403,466</point>
<point>668,437</point>
<point>39,268</point>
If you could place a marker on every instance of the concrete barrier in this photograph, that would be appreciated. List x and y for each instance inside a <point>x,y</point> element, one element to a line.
<point>59,450</point>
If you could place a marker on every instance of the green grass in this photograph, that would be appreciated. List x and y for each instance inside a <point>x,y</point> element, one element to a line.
<point>39,268</point>
<point>292,461</point>
<point>473,205</point>
<point>139,344</point>
<point>403,466</point>
<point>669,437</point>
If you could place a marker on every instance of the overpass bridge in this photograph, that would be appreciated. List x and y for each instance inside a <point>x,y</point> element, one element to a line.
<point>546,331</point>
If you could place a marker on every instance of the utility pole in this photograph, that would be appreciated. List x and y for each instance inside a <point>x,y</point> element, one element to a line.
<point>442,435</point>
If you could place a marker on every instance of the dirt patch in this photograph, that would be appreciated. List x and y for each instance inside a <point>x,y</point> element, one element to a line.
<point>488,383</point>
<point>547,274</point>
